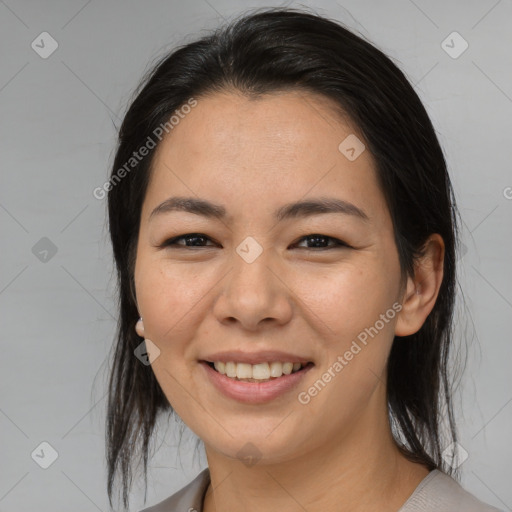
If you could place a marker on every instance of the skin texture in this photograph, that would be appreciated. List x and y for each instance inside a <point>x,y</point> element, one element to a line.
<point>253,156</point>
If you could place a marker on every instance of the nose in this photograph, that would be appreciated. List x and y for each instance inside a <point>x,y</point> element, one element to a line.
<point>254,294</point>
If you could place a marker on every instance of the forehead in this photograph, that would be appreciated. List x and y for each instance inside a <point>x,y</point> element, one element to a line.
<point>278,122</point>
<point>272,149</point>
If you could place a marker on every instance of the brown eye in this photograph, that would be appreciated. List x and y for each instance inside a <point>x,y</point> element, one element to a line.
<point>321,242</point>
<point>190,239</point>
<point>193,240</point>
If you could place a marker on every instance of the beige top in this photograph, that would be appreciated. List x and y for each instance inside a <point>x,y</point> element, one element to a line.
<point>437,492</point>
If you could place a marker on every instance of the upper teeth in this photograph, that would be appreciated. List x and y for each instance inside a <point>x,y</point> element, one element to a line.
<point>259,371</point>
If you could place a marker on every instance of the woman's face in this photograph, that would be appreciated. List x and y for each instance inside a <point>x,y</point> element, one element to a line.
<point>255,287</point>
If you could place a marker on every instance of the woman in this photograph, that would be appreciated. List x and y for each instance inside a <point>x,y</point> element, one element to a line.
<point>284,232</point>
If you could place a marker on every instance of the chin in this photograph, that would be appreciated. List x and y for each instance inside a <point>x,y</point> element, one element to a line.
<point>262,447</point>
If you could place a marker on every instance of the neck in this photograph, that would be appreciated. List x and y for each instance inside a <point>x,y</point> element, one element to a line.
<point>355,472</point>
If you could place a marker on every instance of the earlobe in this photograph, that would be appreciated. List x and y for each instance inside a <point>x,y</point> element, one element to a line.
<point>423,288</point>
<point>139,327</point>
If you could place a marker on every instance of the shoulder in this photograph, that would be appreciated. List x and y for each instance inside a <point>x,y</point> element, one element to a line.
<point>187,499</point>
<point>439,492</point>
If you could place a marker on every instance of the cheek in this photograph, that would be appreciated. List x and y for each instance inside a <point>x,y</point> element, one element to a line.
<point>172,299</point>
<point>355,310</point>
<point>347,300</point>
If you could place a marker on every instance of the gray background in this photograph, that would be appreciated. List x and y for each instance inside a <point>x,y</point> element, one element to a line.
<point>58,118</point>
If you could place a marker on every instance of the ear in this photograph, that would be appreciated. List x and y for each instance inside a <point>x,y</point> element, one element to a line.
<point>422,289</point>
<point>139,328</point>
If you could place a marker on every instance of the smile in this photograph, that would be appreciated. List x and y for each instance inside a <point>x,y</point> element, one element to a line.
<point>256,372</point>
<point>267,381</point>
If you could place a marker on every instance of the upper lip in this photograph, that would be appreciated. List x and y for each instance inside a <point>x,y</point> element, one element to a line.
<point>262,356</point>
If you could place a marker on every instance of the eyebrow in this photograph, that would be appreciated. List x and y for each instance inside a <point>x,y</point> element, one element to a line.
<point>288,211</point>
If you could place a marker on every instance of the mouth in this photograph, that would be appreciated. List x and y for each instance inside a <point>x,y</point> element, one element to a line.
<point>258,383</point>
<point>257,373</point>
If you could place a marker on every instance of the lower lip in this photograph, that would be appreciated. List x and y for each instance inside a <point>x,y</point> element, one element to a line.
<point>254,392</point>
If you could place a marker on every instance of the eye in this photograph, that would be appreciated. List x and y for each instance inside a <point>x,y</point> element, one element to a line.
<point>319,241</point>
<point>191,240</point>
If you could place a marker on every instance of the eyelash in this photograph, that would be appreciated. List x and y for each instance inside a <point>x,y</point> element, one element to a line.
<point>172,242</point>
